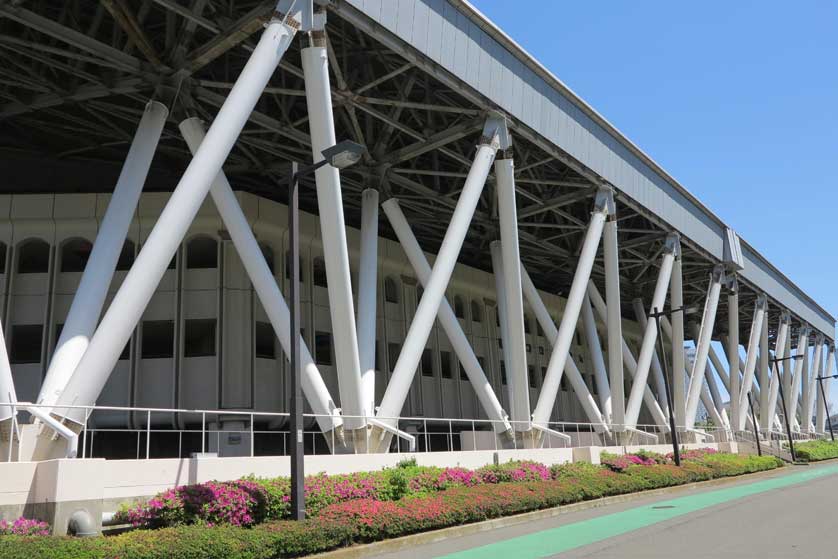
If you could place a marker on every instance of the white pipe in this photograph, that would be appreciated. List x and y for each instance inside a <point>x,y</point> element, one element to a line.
<point>584,396</point>
<point>500,291</point>
<point>614,321</point>
<point>411,440</point>
<point>630,364</point>
<point>751,360</point>
<point>597,359</point>
<point>820,421</point>
<point>264,282</point>
<point>650,335</point>
<point>774,382</point>
<point>8,395</point>
<point>63,431</point>
<point>93,287</point>
<point>315,64</point>
<point>676,337</point>
<point>561,347</point>
<point>447,318</point>
<point>516,367</point>
<point>640,314</point>
<point>139,285</point>
<point>733,351</point>
<point>367,308</point>
<point>423,319</point>
<point>708,320</point>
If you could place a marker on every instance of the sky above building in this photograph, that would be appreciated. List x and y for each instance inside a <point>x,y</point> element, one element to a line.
<point>737,100</point>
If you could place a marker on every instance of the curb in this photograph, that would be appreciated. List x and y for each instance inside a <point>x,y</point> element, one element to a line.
<point>360,551</point>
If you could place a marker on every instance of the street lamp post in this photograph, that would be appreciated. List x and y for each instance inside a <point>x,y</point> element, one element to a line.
<point>825,405</point>
<point>341,155</point>
<point>676,451</point>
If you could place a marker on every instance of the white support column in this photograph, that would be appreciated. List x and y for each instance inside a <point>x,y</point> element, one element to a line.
<point>751,359</point>
<point>762,376</point>
<point>641,315</point>
<point>516,365</point>
<point>462,348</point>
<point>127,306</point>
<point>702,348</point>
<point>650,334</point>
<point>7,389</point>
<point>264,282</point>
<point>767,415</point>
<point>614,321</point>
<point>367,308</point>
<point>589,405</point>
<point>315,62</point>
<point>812,389</point>
<point>423,319</point>
<point>561,348</point>
<point>801,371</point>
<point>676,301</point>
<point>630,363</point>
<point>597,359</point>
<point>820,421</point>
<point>93,287</point>
<point>733,350</point>
<point>500,291</point>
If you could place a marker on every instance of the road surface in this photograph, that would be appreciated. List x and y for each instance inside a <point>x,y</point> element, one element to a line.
<point>784,515</point>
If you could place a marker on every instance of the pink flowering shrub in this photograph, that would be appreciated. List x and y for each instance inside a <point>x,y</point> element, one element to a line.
<point>23,527</point>
<point>514,471</point>
<point>695,454</point>
<point>620,463</point>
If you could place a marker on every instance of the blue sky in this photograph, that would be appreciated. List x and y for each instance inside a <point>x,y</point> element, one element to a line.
<point>737,100</point>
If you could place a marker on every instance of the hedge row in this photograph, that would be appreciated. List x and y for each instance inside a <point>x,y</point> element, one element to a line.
<point>812,451</point>
<point>367,519</point>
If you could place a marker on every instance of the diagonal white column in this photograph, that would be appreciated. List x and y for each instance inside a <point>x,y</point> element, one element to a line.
<point>315,63</point>
<point>630,363</point>
<point>767,417</point>
<point>462,348</point>
<point>7,387</point>
<point>751,359</point>
<point>423,319</point>
<point>676,336</point>
<point>567,327</point>
<point>597,359</point>
<point>127,306</point>
<point>820,421</point>
<point>733,350</point>
<point>762,375</point>
<point>801,369</point>
<point>650,334</point>
<point>367,308</point>
<point>811,392</point>
<point>516,365</point>
<point>614,320</point>
<point>641,315</point>
<point>264,282</point>
<point>589,405</point>
<point>93,287</point>
<point>702,347</point>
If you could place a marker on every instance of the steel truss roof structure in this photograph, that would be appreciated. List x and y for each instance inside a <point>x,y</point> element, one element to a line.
<point>76,74</point>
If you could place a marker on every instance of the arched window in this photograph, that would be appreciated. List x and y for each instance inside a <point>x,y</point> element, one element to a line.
<point>268,253</point>
<point>319,272</point>
<point>476,312</point>
<point>202,253</point>
<point>391,290</point>
<point>459,307</point>
<point>126,257</point>
<point>33,257</point>
<point>74,255</point>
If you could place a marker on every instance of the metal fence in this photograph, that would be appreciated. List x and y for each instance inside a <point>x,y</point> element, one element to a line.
<point>178,432</point>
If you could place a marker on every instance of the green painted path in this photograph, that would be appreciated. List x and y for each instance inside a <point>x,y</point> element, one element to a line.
<point>578,534</point>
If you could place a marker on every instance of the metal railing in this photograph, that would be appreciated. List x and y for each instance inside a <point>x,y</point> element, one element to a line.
<point>180,432</point>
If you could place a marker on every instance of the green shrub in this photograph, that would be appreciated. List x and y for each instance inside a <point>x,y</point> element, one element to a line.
<point>812,451</point>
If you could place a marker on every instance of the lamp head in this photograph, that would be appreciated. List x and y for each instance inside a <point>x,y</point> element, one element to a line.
<point>344,154</point>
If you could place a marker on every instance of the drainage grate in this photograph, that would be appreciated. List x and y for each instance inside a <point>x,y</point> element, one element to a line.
<point>664,507</point>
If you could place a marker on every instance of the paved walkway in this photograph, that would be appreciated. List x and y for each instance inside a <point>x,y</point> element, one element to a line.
<point>785,515</point>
